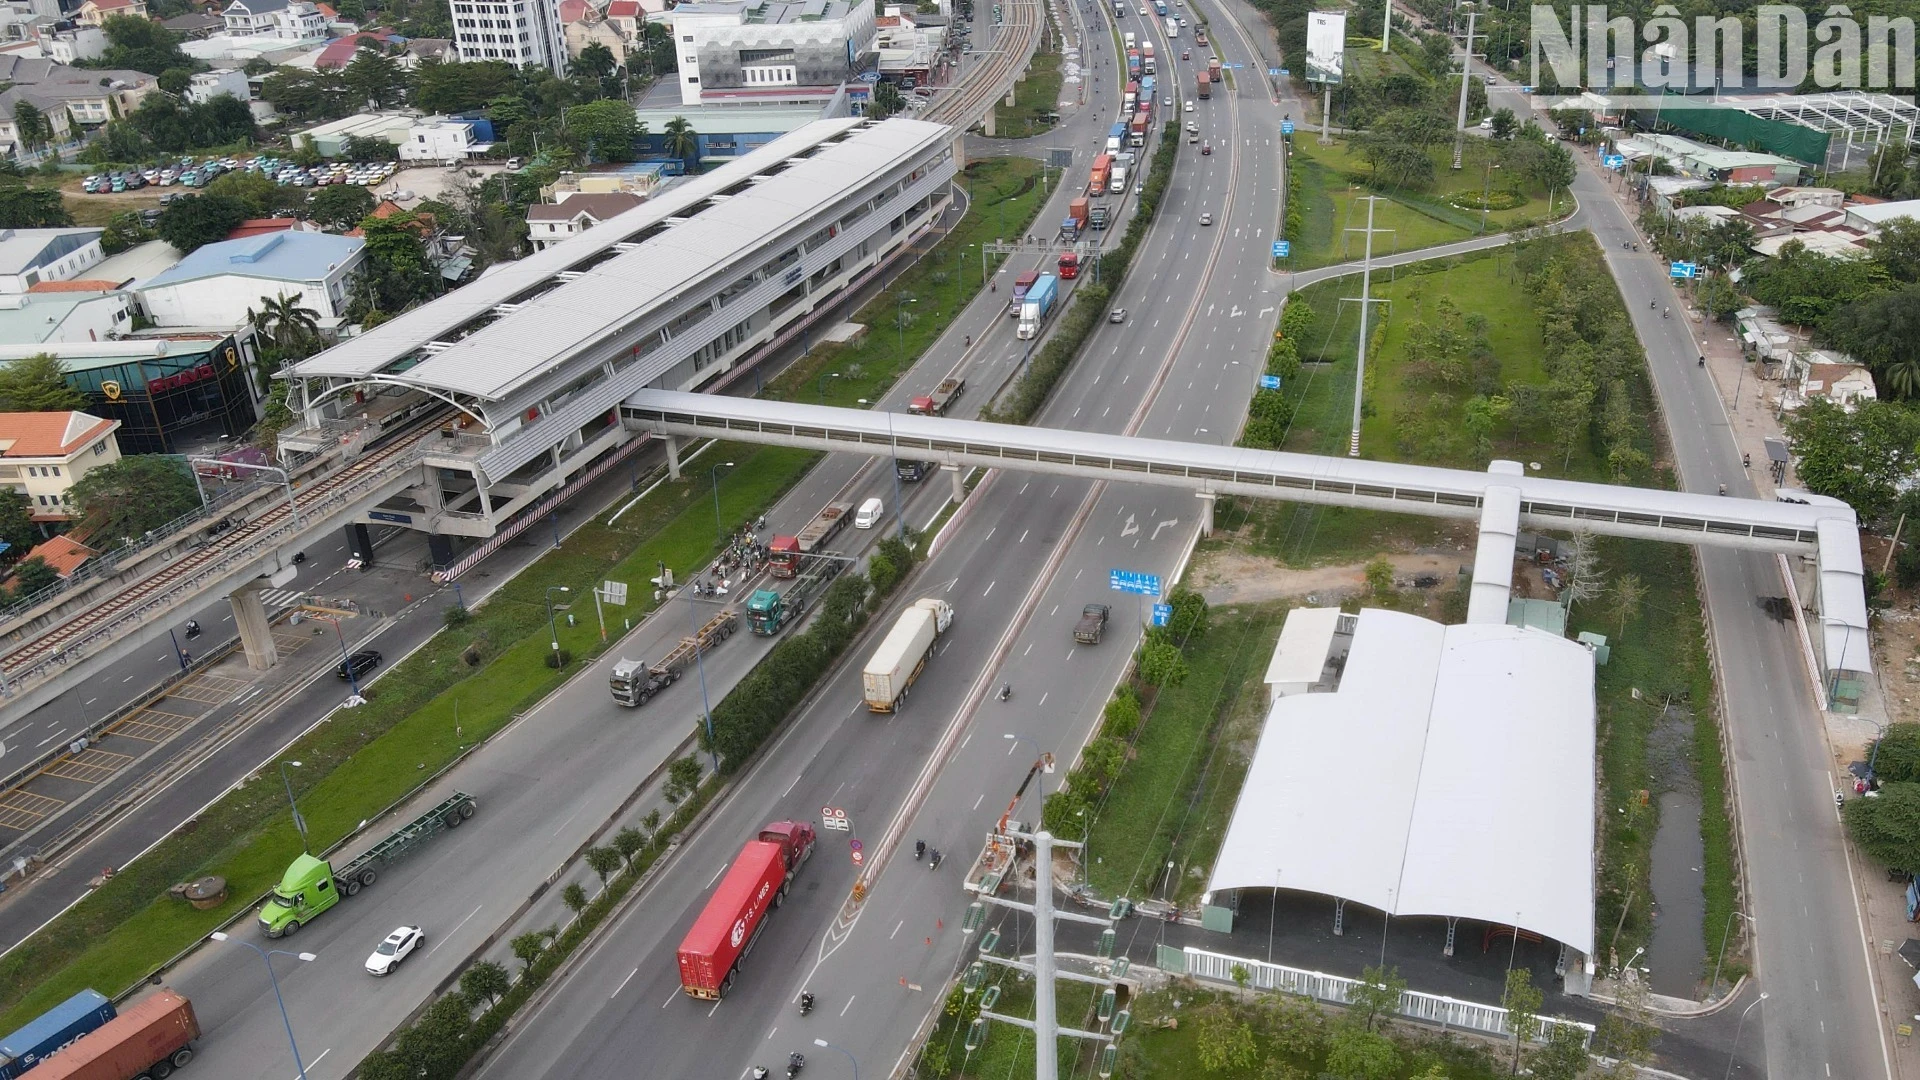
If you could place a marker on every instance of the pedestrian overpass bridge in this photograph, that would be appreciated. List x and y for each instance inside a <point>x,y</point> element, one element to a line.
<point>1502,499</point>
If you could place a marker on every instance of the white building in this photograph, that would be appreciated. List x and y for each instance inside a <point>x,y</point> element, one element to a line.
<point>550,223</point>
<point>214,286</point>
<point>70,46</point>
<point>519,32</point>
<point>746,45</point>
<point>440,140</point>
<point>205,85</point>
<point>65,311</point>
<point>286,20</point>
<point>31,256</point>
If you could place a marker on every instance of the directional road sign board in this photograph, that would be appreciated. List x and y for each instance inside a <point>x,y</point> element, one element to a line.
<point>1683,270</point>
<point>1269,382</point>
<point>1162,614</point>
<point>1286,127</point>
<point>1284,72</point>
<point>1282,248</point>
<point>1273,71</point>
<point>1133,581</point>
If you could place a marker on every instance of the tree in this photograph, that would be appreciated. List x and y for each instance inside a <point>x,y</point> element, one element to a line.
<point>16,523</point>
<point>574,896</point>
<point>134,495</point>
<point>386,1065</point>
<point>608,129</point>
<point>257,195</point>
<point>527,947</point>
<point>485,980</point>
<point>374,78</point>
<point>368,148</point>
<point>1522,1001</point>
<point>1376,996</point>
<point>197,220</point>
<point>1897,249</point>
<point>1628,592</point>
<point>1862,458</point>
<point>397,271</point>
<point>308,95</point>
<point>603,861</point>
<point>596,72</point>
<point>1504,124</point>
<point>886,101</point>
<point>683,778</point>
<point>459,87</point>
<point>1379,574</point>
<point>1883,331</point>
<point>682,142</point>
<point>1898,759</point>
<point>1225,1041</point>
<point>142,44</point>
<point>341,206</point>
<point>1564,1057</point>
<point>1718,297</point>
<point>1888,828</point>
<point>1354,1053</point>
<point>290,326</point>
<point>436,1045</point>
<point>32,575</point>
<point>1190,615</point>
<point>629,842</point>
<point>38,383</point>
<point>1162,665</point>
<point>32,124</point>
<point>22,207</point>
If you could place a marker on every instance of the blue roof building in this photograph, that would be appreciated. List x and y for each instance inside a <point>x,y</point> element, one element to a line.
<point>215,285</point>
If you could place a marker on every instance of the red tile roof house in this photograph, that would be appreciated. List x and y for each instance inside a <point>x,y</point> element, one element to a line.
<point>43,453</point>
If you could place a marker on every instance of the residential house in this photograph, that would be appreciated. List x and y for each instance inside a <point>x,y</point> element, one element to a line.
<point>439,138</point>
<point>59,120</point>
<point>1823,375</point>
<point>629,16</point>
<point>550,223</point>
<point>203,86</point>
<point>62,554</point>
<point>195,27</point>
<point>30,256</point>
<point>42,455</point>
<point>340,52</point>
<point>64,312</point>
<point>594,29</point>
<point>289,20</point>
<point>263,226</point>
<point>74,45</point>
<point>96,12</point>
<point>214,286</point>
<point>429,51</point>
<point>90,96</point>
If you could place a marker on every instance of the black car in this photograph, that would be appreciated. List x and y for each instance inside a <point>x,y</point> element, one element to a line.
<point>358,664</point>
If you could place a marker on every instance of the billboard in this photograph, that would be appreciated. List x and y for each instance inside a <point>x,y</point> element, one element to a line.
<point>1326,46</point>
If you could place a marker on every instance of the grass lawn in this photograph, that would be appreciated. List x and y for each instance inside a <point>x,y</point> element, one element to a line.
<point>1036,98</point>
<point>1188,759</point>
<point>125,929</point>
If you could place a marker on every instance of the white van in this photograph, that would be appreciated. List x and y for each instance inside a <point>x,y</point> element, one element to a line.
<point>869,514</point>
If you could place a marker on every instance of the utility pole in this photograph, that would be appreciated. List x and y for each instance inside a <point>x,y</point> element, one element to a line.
<point>1366,288</point>
<point>1466,79</point>
<point>1045,1025</point>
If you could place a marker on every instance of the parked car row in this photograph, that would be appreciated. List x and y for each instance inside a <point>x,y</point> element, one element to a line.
<point>189,172</point>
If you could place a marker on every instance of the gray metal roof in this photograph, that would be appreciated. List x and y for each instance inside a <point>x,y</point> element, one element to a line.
<point>557,327</point>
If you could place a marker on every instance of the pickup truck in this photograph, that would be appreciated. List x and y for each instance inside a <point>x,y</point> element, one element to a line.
<point>1092,625</point>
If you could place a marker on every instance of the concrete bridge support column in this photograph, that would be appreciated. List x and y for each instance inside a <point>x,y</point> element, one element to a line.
<point>986,124</point>
<point>673,455</point>
<point>1206,511</point>
<point>959,482</point>
<point>256,633</point>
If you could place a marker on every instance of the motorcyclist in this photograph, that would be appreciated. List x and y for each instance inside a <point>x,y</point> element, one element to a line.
<point>806,1002</point>
<point>919,850</point>
<point>1006,691</point>
<point>795,1062</point>
<point>193,628</point>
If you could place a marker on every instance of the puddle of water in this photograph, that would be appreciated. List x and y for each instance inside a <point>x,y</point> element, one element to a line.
<point>1676,953</point>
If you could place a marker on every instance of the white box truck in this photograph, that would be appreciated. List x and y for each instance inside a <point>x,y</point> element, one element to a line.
<point>904,652</point>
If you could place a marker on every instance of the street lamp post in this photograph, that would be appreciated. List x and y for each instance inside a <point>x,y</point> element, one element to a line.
<point>552,630</point>
<point>1738,1028</point>
<point>299,822</point>
<point>1486,192</point>
<point>820,385</point>
<point>713,479</point>
<point>346,660</point>
<point>844,1050</point>
<point>266,957</point>
<point>700,665</point>
<point>900,328</point>
<point>1724,934</point>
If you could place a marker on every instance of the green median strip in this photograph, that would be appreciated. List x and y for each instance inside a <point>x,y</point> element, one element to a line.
<point>474,677</point>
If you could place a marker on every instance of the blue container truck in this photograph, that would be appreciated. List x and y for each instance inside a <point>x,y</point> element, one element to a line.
<point>1037,306</point>
<point>79,1015</point>
<point>1116,135</point>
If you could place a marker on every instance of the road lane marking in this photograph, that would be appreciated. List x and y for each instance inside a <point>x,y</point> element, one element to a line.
<point>716,874</point>
<point>314,1062</point>
<point>990,586</point>
<point>670,997</point>
<point>790,787</point>
<point>848,1005</point>
<point>896,929</point>
<point>564,824</point>
<point>978,801</point>
<point>48,739</point>
<point>623,983</point>
<point>448,936</point>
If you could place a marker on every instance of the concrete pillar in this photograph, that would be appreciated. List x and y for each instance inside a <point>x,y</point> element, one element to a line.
<point>986,124</point>
<point>959,482</point>
<point>256,633</point>
<point>1206,511</point>
<point>673,455</point>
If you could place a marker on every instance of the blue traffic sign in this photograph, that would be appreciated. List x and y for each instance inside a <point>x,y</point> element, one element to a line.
<point>1269,382</point>
<point>1614,161</point>
<point>1133,581</point>
<point>1281,248</point>
<point>1286,127</point>
<point>1683,270</point>
<point>1162,614</point>
<point>1285,72</point>
<point>1273,71</point>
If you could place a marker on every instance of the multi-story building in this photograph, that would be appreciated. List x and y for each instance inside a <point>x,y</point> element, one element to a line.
<point>167,389</point>
<point>42,454</point>
<point>550,223</point>
<point>96,12</point>
<point>90,96</point>
<point>206,85</point>
<point>216,284</point>
<point>519,32</point>
<point>753,45</point>
<point>31,256</point>
<point>287,20</point>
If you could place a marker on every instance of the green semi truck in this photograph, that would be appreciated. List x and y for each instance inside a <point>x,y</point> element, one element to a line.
<point>311,886</point>
<point>768,610</point>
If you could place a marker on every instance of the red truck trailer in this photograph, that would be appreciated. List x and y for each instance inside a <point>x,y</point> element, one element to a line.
<point>754,885</point>
<point>1020,286</point>
<point>150,1039</point>
<point>1102,170</point>
<point>1206,85</point>
<point>1069,265</point>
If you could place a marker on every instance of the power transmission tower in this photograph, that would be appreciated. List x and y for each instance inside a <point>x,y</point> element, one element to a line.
<point>1045,1026</point>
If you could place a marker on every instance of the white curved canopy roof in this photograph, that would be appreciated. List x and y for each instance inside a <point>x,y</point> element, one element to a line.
<point>1451,774</point>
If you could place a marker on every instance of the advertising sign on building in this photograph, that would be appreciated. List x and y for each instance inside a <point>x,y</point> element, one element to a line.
<point>1326,46</point>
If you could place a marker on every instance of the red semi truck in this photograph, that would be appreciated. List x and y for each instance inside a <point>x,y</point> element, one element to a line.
<point>754,885</point>
<point>150,1039</point>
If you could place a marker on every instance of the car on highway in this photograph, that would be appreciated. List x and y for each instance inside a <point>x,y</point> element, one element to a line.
<point>1206,219</point>
<point>388,954</point>
<point>1139,188</point>
<point>1189,106</point>
<point>1118,314</point>
<point>1192,127</point>
<point>1168,103</point>
<point>1206,149</point>
<point>358,664</point>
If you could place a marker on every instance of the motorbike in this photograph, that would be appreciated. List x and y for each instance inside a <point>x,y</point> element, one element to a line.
<point>299,557</point>
<point>919,850</point>
<point>760,1072</point>
<point>1723,489</point>
<point>1006,691</point>
<point>193,629</point>
<point>795,1062</point>
<point>933,860</point>
<point>806,1004</point>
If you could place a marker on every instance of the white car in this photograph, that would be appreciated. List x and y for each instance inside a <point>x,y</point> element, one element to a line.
<point>1168,103</point>
<point>396,948</point>
<point>1205,219</point>
<point>1189,106</point>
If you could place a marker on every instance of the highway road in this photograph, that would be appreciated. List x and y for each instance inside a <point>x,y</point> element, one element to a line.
<point>1821,1018</point>
<point>1035,548</point>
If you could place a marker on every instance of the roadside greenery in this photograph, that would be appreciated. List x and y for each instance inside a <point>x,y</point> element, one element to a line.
<point>1028,394</point>
<point>1036,97</point>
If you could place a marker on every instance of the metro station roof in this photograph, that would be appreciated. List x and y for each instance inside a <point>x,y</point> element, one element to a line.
<point>1451,774</point>
<point>547,323</point>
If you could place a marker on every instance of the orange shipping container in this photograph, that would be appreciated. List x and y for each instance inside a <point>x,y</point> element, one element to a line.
<point>161,1028</point>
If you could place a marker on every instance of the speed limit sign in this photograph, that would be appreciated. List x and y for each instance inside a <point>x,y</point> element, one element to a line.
<point>858,858</point>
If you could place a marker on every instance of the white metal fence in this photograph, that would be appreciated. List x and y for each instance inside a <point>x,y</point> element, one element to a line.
<point>1414,1005</point>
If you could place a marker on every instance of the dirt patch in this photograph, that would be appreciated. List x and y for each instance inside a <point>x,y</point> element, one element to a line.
<point>1229,576</point>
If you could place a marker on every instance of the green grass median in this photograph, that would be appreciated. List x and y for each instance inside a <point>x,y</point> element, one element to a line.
<point>427,708</point>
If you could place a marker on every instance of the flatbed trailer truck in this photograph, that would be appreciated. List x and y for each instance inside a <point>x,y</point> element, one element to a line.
<point>633,682</point>
<point>312,885</point>
<point>769,610</point>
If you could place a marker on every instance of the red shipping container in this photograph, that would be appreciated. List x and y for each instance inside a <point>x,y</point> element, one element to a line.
<point>732,919</point>
<point>159,1028</point>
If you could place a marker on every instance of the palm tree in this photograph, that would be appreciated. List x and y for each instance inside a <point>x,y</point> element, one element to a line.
<point>283,320</point>
<point>31,126</point>
<point>682,141</point>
